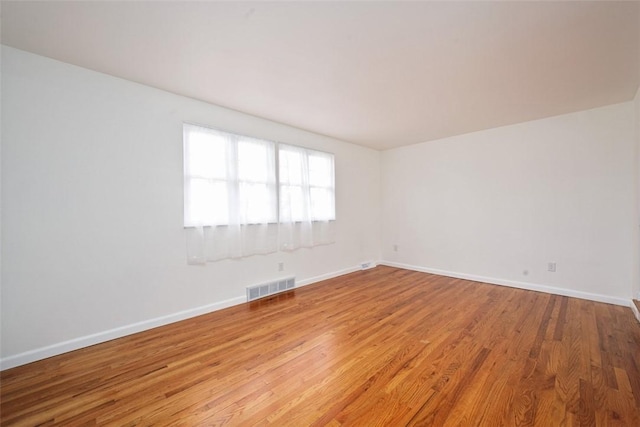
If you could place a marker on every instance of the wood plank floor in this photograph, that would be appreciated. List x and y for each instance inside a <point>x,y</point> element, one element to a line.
<point>379,347</point>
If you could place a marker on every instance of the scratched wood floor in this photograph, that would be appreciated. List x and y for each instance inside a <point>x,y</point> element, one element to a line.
<point>379,347</point>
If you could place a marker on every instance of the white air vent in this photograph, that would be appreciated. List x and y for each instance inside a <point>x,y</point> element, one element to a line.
<point>270,288</point>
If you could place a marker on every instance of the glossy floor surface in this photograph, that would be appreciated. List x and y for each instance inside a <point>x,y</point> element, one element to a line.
<point>378,347</point>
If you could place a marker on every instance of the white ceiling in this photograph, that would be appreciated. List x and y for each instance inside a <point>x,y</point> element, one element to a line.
<point>379,74</point>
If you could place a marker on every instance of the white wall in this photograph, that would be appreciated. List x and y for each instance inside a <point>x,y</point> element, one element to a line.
<point>92,235</point>
<point>92,239</point>
<point>491,204</point>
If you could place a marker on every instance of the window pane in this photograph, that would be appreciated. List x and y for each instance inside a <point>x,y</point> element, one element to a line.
<point>290,166</point>
<point>253,161</point>
<point>257,206</point>
<point>306,184</point>
<point>229,179</point>
<point>208,202</point>
<point>320,171</point>
<point>322,204</point>
<point>207,155</point>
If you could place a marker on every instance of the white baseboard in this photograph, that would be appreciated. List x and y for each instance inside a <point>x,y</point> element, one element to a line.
<point>327,276</point>
<point>77,343</point>
<point>635,311</point>
<point>97,338</point>
<point>514,284</point>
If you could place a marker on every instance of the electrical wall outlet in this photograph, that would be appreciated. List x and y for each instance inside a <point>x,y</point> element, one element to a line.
<point>395,248</point>
<point>551,267</point>
<point>281,266</point>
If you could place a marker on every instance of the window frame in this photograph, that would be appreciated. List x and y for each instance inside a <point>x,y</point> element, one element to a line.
<point>275,146</point>
<point>308,152</point>
<point>237,181</point>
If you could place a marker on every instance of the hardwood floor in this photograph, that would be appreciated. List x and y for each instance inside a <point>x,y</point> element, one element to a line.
<point>379,347</point>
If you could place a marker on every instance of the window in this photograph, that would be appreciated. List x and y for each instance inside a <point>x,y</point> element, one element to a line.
<point>307,189</point>
<point>229,179</point>
<point>234,206</point>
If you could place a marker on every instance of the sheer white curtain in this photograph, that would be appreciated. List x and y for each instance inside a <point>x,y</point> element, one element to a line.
<point>307,197</point>
<point>230,208</point>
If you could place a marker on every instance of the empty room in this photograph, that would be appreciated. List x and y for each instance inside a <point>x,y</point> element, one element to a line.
<point>320,213</point>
